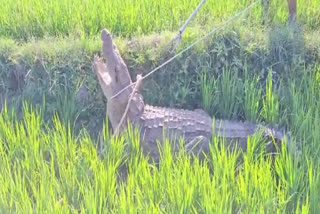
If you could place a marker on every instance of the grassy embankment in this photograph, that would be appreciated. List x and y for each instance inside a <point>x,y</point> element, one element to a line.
<point>46,167</point>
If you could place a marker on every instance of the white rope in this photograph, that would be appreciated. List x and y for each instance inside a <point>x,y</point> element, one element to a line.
<point>190,46</point>
<point>135,89</point>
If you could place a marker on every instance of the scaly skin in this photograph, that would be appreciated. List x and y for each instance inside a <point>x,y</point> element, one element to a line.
<point>196,127</point>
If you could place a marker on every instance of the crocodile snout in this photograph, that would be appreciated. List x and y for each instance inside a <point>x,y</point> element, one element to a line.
<point>105,35</point>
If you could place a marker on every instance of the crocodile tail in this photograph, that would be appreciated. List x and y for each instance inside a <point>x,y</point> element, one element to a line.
<point>276,138</point>
<point>279,137</point>
<point>274,133</point>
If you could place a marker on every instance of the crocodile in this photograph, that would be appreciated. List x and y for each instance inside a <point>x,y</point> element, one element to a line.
<point>196,127</point>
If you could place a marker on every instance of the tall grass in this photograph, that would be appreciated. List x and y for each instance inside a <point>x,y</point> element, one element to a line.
<point>47,168</point>
<point>252,99</point>
<point>270,110</point>
<point>220,96</point>
<point>50,168</point>
<point>37,18</point>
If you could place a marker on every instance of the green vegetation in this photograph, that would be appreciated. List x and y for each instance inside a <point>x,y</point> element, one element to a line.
<point>53,158</point>
<point>50,169</point>
<point>26,19</point>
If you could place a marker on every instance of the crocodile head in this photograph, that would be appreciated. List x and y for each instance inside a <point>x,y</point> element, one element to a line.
<point>113,77</point>
<point>106,72</point>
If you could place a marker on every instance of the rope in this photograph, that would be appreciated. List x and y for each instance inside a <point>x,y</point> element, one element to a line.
<point>190,46</point>
<point>136,87</point>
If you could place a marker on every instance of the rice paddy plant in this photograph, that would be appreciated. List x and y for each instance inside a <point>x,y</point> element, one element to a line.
<point>68,107</point>
<point>221,96</point>
<point>208,93</point>
<point>270,111</point>
<point>46,168</point>
<point>25,19</point>
<point>229,88</point>
<point>252,99</point>
<point>299,101</point>
<point>314,185</point>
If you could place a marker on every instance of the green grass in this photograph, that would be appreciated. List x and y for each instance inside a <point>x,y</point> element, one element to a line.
<point>26,19</point>
<point>47,168</point>
<point>52,160</point>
